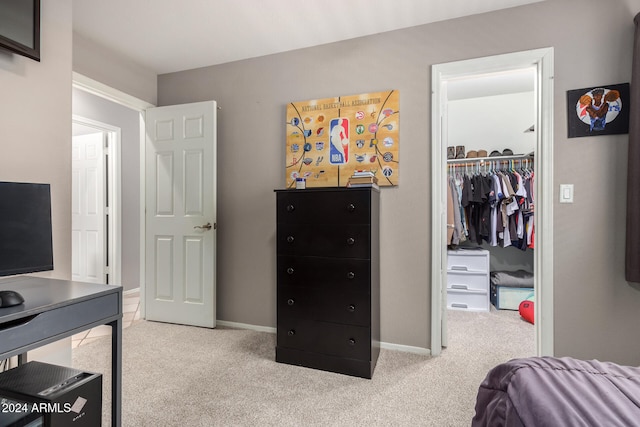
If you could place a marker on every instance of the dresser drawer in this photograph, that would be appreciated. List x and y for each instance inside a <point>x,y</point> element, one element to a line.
<point>465,281</point>
<point>340,240</point>
<point>331,339</point>
<point>468,260</point>
<point>329,274</point>
<point>314,207</point>
<point>467,300</point>
<point>346,307</point>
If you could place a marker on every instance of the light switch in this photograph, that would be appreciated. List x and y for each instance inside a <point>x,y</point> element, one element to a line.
<point>566,193</point>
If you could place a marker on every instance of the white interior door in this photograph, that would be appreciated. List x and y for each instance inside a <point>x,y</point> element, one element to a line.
<point>88,201</point>
<point>180,218</point>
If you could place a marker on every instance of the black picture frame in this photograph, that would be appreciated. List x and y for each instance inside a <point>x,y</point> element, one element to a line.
<point>585,118</point>
<point>25,15</point>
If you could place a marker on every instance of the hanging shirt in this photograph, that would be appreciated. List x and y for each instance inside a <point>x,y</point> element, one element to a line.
<point>495,203</point>
<point>463,220</point>
<point>450,212</point>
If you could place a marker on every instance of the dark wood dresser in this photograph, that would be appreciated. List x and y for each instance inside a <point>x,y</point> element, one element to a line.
<point>328,281</point>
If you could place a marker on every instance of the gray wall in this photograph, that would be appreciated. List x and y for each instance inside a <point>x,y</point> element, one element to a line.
<point>96,108</point>
<point>596,311</point>
<point>113,69</point>
<point>35,123</point>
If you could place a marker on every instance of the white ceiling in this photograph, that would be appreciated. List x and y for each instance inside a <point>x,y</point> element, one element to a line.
<point>174,35</point>
<point>492,84</point>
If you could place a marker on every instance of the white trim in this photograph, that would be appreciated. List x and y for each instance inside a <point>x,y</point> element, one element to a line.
<point>438,211</point>
<point>100,89</point>
<point>143,216</point>
<point>237,325</point>
<point>131,291</point>
<point>114,95</point>
<point>405,348</point>
<point>115,194</point>
<point>543,256</point>
<point>542,59</point>
<point>268,329</point>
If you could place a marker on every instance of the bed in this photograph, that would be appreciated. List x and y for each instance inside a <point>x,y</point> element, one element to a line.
<point>559,392</point>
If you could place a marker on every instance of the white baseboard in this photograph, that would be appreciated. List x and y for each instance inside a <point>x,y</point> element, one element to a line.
<point>384,345</point>
<point>246,326</point>
<point>131,291</point>
<point>405,348</point>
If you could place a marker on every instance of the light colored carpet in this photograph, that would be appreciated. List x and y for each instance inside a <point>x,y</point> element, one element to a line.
<point>186,376</point>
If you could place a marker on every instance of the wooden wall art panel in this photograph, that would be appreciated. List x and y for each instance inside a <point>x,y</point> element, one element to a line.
<point>328,139</point>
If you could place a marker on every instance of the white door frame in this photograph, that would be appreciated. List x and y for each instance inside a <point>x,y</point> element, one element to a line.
<point>542,60</point>
<point>94,87</point>
<point>114,195</point>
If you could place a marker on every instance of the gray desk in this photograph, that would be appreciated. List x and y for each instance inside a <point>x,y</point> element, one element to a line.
<point>56,309</point>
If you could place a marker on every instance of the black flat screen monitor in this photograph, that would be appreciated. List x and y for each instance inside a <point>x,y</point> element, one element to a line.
<point>20,27</point>
<point>26,243</point>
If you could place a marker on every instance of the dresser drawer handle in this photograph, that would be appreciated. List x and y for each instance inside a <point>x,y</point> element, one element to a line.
<point>290,239</point>
<point>290,270</point>
<point>291,332</point>
<point>351,308</point>
<point>459,267</point>
<point>351,275</point>
<point>291,208</point>
<point>351,207</point>
<point>459,305</point>
<point>465,287</point>
<point>351,241</point>
<point>291,301</point>
<point>352,341</point>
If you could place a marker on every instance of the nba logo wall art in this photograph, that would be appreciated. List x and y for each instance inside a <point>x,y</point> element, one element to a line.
<point>599,110</point>
<point>328,139</point>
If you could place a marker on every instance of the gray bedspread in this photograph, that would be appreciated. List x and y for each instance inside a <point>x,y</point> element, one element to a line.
<point>559,392</point>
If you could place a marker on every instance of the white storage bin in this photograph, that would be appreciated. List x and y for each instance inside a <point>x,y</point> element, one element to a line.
<point>509,298</point>
<point>468,280</point>
<point>466,300</point>
<point>468,260</point>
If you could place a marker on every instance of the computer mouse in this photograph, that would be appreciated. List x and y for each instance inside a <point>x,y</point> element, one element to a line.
<point>10,298</point>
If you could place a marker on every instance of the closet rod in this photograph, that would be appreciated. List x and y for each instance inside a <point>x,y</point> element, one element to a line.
<point>491,159</point>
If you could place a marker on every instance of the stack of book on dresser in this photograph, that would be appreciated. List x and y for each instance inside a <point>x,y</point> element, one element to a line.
<point>363,178</point>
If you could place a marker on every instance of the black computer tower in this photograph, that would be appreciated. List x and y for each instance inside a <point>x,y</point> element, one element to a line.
<point>55,395</point>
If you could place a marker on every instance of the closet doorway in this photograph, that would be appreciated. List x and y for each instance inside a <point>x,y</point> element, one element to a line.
<point>446,79</point>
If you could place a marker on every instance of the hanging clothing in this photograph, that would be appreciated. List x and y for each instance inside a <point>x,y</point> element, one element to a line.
<point>457,219</point>
<point>494,207</point>
<point>450,216</point>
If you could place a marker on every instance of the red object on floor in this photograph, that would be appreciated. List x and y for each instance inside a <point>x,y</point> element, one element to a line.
<point>526,310</point>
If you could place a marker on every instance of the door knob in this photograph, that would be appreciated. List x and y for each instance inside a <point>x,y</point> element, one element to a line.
<point>205,227</point>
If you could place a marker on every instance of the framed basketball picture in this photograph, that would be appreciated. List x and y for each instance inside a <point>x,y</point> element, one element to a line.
<point>600,110</point>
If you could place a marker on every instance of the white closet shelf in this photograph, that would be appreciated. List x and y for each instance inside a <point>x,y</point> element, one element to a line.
<point>491,159</point>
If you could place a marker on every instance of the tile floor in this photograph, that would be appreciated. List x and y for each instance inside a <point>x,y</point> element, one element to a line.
<point>130,315</point>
